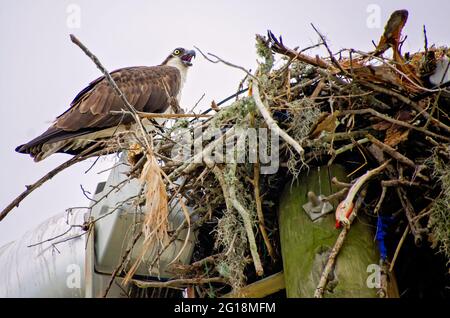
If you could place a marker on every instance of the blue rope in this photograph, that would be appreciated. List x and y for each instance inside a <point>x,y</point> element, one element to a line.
<point>382,228</point>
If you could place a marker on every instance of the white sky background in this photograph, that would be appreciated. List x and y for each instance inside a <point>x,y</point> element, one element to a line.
<point>41,70</point>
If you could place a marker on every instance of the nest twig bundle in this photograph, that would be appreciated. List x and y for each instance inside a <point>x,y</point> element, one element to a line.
<point>364,110</point>
<point>353,106</point>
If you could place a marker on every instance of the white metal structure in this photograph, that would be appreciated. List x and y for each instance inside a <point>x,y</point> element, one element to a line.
<point>79,263</point>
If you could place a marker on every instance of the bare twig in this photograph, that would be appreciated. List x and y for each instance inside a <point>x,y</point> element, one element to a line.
<point>332,58</point>
<point>394,121</point>
<point>113,85</point>
<point>380,201</point>
<point>399,246</point>
<point>278,47</point>
<point>58,236</point>
<point>161,115</point>
<point>188,220</point>
<point>409,211</point>
<point>337,195</point>
<point>398,156</point>
<point>408,102</point>
<point>119,267</point>
<point>218,59</point>
<point>259,210</point>
<point>48,176</point>
<point>197,103</point>
<point>272,124</point>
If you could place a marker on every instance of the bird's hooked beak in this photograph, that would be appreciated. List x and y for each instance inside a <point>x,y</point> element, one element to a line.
<point>187,57</point>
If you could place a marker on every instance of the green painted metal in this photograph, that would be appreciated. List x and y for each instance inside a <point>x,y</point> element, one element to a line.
<point>305,244</point>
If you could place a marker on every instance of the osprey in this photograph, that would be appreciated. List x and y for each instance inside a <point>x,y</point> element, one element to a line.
<point>91,116</point>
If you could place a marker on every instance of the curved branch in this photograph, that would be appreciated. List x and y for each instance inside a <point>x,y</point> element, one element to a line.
<point>48,176</point>
<point>271,123</point>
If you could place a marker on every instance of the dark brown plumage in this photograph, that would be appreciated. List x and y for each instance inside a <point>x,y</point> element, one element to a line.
<point>149,89</point>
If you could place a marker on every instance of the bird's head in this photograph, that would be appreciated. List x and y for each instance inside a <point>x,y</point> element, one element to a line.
<point>180,56</point>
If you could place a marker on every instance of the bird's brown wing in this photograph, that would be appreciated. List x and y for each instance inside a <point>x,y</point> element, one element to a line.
<point>148,89</point>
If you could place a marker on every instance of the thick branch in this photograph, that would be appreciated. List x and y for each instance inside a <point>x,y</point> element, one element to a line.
<point>179,283</point>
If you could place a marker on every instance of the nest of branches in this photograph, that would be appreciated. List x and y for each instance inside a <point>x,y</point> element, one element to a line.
<point>382,117</point>
<point>382,114</point>
<point>378,113</point>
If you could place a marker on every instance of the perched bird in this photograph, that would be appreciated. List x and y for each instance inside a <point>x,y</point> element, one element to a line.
<point>91,116</point>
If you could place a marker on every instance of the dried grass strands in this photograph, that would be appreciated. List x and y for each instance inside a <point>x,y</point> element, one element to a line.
<point>155,224</point>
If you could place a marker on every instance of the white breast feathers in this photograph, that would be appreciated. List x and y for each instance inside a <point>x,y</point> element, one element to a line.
<point>176,62</point>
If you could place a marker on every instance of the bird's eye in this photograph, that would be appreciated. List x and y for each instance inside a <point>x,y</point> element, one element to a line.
<point>176,52</point>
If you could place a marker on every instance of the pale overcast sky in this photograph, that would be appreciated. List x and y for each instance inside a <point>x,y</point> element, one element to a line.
<point>41,70</point>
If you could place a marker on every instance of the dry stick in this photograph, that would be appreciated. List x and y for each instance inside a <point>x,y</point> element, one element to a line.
<point>341,184</point>
<point>37,184</point>
<point>117,90</point>
<point>402,74</point>
<point>245,215</point>
<point>315,94</point>
<point>380,201</point>
<point>261,223</point>
<point>391,151</point>
<point>159,115</point>
<point>392,120</point>
<point>174,237</point>
<point>399,246</point>
<point>231,200</point>
<point>86,224</point>
<point>407,207</point>
<point>351,146</point>
<point>271,123</point>
<point>281,49</point>
<point>199,265</point>
<point>346,205</point>
<point>224,62</point>
<point>205,261</point>
<point>398,156</point>
<point>196,104</point>
<point>57,236</point>
<point>337,195</point>
<point>336,249</point>
<point>195,161</point>
<point>48,176</point>
<point>122,262</point>
<point>259,210</point>
<point>425,211</point>
<point>342,136</point>
<point>332,58</point>
<point>397,182</point>
<point>188,219</point>
<point>410,214</point>
<point>220,177</point>
<point>113,85</point>
<point>408,102</point>
<point>179,283</point>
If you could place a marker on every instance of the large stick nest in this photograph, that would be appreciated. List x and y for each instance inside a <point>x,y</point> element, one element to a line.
<point>358,109</point>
